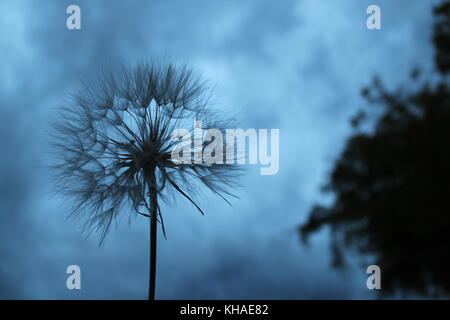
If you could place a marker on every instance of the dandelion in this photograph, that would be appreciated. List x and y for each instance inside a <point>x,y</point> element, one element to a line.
<point>113,143</point>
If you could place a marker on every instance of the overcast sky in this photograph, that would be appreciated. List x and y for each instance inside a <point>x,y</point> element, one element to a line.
<point>297,66</point>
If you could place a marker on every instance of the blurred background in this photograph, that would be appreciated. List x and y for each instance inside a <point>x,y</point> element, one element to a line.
<point>295,65</point>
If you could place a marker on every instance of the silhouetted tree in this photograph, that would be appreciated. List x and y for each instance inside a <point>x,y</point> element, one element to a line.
<point>391,185</point>
<point>441,37</point>
<point>114,143</point>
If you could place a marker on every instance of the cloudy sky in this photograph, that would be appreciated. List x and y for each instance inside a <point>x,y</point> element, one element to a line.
<point>294,65</point>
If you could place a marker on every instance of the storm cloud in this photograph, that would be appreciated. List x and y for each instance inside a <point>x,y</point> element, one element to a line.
<point>297,66</point>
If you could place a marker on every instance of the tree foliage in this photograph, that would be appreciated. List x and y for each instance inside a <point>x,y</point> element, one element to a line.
<point>391,186</point>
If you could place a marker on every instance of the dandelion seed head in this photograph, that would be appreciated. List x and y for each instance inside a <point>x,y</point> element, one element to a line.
<point>113,143</point>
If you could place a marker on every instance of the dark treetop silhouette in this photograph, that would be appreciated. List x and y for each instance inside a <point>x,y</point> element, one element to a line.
<point>114,144</point>
<point>392,185</point>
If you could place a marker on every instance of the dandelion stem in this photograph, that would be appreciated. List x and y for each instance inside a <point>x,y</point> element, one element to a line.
<point>153,237</point>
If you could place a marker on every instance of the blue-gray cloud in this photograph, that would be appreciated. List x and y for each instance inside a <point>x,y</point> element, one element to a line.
<point>293,65</point>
